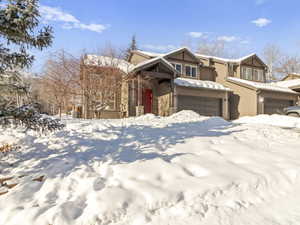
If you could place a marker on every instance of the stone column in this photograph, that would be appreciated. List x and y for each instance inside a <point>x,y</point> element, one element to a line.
<point>140,108</point>
<point>225,106</point>
<point>173,102</point>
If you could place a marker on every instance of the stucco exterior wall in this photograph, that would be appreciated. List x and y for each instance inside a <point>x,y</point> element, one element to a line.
<point>243,101</point>
<point>136,59</point>
<point>207,73</point>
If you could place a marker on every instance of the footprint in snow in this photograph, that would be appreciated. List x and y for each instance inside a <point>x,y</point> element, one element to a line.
<point>99,184</point>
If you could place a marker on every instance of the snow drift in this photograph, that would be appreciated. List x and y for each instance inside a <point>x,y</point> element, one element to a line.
<point>183,169</point>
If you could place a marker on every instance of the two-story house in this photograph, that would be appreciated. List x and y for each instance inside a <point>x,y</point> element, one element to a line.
<point>182,80</point>
<point>252,94</point>
<point>168,83</point>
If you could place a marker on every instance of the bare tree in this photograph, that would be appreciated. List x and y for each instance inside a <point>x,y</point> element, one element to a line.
<point>272,56</point>
<point>211,47</point>
<point>289,64</point>
<point>101,81</point>
<point>59,84</point>
<point>218,48</point>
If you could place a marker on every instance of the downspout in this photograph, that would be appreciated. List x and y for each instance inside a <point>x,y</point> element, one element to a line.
<point>260,104</point>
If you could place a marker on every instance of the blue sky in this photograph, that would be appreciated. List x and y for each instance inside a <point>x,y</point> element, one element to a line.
<point>161,25</point>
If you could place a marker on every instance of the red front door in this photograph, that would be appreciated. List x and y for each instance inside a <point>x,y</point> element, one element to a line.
<point>148,100</point>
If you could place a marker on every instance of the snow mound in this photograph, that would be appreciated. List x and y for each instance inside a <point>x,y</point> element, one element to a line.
<point>146,117</point>
<point>182,169</point>
<point>186,115</point>
<point>274,120</point>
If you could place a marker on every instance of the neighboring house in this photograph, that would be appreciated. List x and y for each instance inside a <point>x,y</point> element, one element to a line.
<point>168,83</point>
<point>101,82</point>
<point>291,81</point>
<point>291,76</point>
<point>252,95</point>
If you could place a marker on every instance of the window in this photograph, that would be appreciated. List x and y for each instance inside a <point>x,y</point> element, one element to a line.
<point>247,73</point>
<point>258,75</point>
<point>178,67</point>
<point>191,71</point>
<point>255,75</point>
<point>261,76</point>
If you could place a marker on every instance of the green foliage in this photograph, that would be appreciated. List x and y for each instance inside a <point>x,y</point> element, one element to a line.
<point>20,31</point>
<point>19,28</point>
<point>28,117</point>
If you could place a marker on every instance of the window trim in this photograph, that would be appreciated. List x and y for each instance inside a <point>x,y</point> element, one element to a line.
<point>176,64</point>
<point>259,78</point>
<point>244,76</point>
<point>253,69</point>
<point>191,66</point>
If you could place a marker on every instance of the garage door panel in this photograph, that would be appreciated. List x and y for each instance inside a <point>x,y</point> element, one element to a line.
<point>203,105</point>
<point>275,106</point>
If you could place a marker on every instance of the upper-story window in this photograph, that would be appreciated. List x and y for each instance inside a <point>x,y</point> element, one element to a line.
<point>258,75</point>
<point>178,67</point>
<point>247,73</point>
<point>253,74</point>
<point>190,71</point>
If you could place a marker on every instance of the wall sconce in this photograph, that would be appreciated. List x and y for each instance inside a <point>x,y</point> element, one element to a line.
<point>261,99</point>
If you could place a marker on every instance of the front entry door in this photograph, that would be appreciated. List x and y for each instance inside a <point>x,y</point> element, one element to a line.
<point>148,98</point>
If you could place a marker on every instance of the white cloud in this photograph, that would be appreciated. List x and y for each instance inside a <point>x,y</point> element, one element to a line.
<point>195,34</point>
<point>261,22</point>
<point>70,21</point>
<point>160,47</point>
<point>227,38</point>
<point>245,42</point>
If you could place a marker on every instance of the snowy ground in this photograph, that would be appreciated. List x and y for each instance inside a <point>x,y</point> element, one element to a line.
<point>184,169</point>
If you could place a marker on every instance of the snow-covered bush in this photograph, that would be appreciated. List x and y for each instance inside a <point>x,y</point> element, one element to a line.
<point>28,117</point>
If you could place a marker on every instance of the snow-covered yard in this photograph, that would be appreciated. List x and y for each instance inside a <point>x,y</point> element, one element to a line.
<point>184,169</point>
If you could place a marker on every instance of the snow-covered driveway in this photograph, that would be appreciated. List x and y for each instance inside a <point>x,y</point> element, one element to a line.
<point>184,169</point>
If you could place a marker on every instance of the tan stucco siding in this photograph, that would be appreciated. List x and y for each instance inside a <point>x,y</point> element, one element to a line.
<point>200,92</point>
<point>205,61</point>
<point>221,72</point>
<point>243,101</point>
<point>136,59</point>
<point>207,74</point>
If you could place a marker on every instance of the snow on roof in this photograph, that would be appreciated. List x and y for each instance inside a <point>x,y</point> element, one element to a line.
<point>262,86</point>
<point>289,83</point>
<point>185,82</point>
<point>153,60</point>
<point>97,60</point>
<point>295,74</point>
<point>226,59</point>
<point>151,54</point>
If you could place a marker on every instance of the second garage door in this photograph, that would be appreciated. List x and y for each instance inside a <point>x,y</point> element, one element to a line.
<point>275,106</point>
<point>203,105</point>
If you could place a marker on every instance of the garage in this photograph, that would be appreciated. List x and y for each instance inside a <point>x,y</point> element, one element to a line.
<point>275,106</point>
<point>205,106</point>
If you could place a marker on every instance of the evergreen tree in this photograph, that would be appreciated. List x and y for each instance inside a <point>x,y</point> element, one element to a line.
<point>19,32</point>
<point>19,21</point>
<point>132,47</point>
